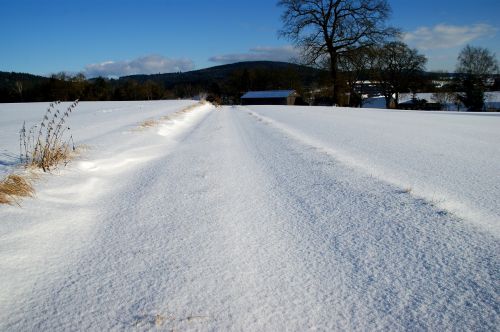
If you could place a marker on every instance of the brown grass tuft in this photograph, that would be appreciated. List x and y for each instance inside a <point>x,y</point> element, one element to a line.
<point>166,118</point>
<point>148,124</point>
<point>13,187</point>
<point>159,320</point>
<point>153,123</point>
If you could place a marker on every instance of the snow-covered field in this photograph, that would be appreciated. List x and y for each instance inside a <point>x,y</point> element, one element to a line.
<point>256,218</point>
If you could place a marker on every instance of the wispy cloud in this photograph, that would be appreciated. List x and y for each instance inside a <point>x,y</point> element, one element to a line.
<point>447,36</point>
<point>282,53</point>
<point>151,64</point>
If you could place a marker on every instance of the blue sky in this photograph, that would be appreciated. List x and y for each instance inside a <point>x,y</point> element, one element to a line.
<point>117,37</point>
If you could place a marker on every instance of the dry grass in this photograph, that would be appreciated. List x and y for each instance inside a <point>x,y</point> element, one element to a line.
<point>163,322</point>
<point>43,146</point>
<point>166,118</point>
<point>14,187</point>
<point>150,123</point>
<point>159,320</point>
<point>48,144</point>
<point>190,108</point>
<point>186,110</point>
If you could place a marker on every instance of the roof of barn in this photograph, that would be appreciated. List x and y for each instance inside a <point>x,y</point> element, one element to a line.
<point>268,94</point>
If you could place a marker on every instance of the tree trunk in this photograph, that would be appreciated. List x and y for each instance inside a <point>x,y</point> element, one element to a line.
<point>333,75</point>
<point>387,101</point>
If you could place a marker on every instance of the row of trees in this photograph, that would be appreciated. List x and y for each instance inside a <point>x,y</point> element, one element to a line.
<point>66,87</point>
<point>395,67</point>
<point>351,38</point>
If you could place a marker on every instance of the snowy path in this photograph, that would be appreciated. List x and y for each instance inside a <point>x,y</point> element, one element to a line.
<point>234,225</point>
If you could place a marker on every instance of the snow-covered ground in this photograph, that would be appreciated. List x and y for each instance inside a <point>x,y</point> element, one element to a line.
<point>260,218</point>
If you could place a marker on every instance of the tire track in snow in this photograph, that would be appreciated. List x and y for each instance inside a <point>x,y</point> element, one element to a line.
<point>477,216</point>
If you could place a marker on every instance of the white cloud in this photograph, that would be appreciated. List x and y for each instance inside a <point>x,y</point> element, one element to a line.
<point>151,64</point>
<point>282,53</point>
<point>447,36</point>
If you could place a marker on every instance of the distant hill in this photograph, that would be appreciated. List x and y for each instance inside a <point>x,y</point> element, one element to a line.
<point>9,78</point>
<point>303,75</point>
<point>19,86</point>
<point>223,71</point>
<point>230,81</point>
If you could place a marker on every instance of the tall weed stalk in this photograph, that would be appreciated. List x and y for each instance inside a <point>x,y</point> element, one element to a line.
<point>49,143</point>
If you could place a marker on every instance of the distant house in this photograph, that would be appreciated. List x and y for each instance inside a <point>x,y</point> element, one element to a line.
<point>273,97</point>
<point>419,104</point>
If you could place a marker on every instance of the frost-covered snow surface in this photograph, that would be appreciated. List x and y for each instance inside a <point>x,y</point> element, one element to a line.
<point>452,160</point>
<point>261,218</point>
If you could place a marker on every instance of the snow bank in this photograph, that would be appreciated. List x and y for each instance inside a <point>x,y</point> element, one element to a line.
<point>89,122</point>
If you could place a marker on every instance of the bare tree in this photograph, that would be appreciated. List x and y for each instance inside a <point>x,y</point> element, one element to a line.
<point>327,29</point>
<point>398,69</point>
<point>477,61</point>
<point>475,65</point>
<point>445,99</point>
<point>353,66</point>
